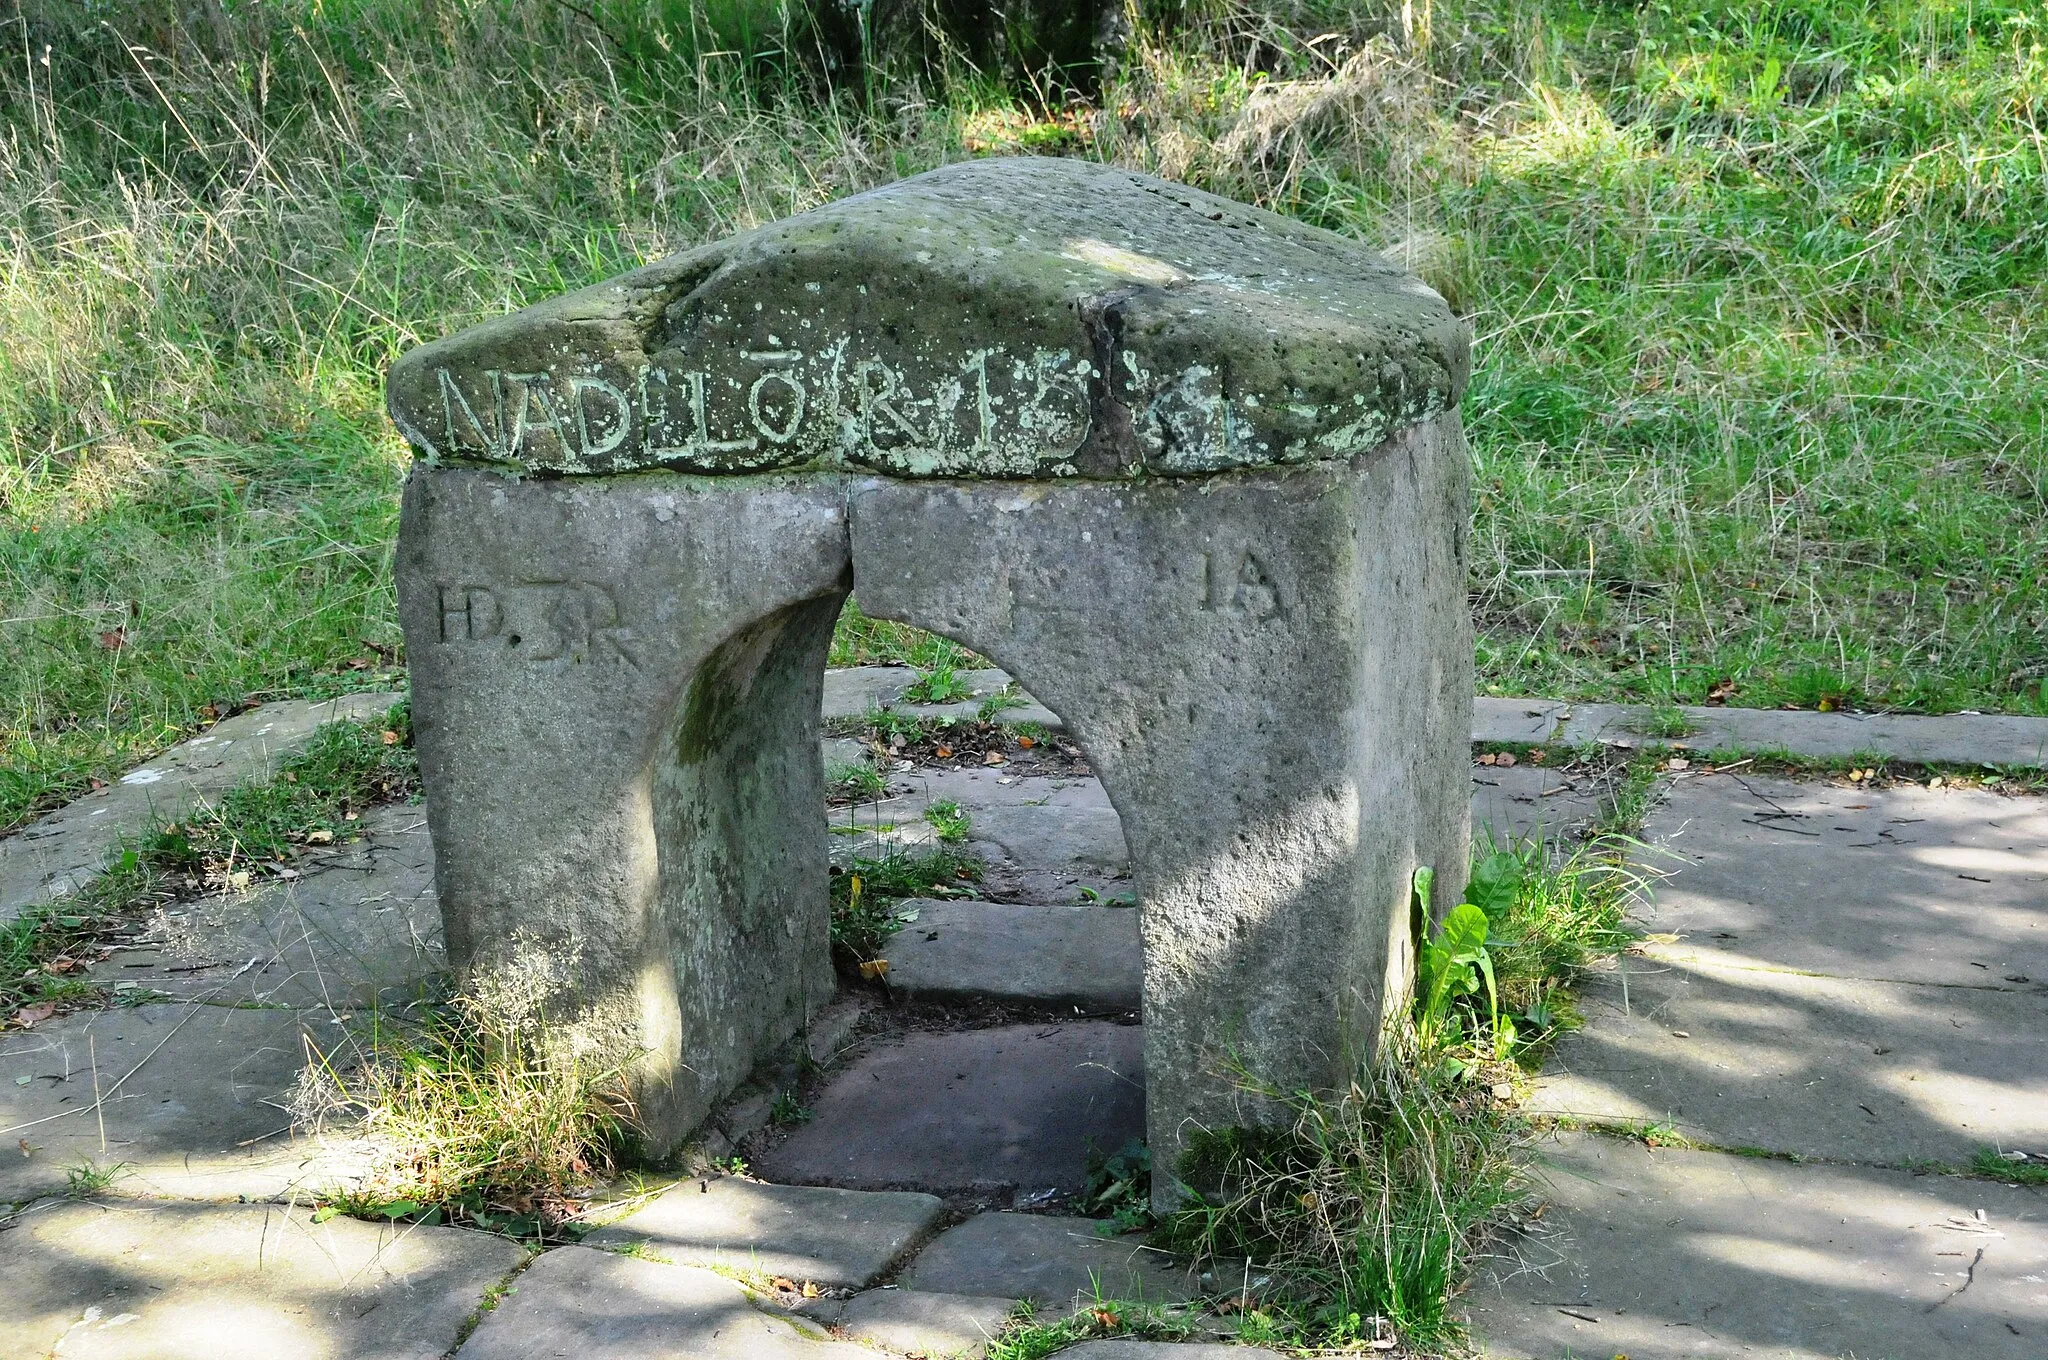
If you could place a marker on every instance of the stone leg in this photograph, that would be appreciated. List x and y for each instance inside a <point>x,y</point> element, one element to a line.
<point>616,690</point>
<point>1272,673</point>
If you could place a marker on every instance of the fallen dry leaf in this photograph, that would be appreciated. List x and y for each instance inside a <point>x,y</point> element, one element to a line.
<point>944,753</point>
<point>22,1143</point>
<point>1504,758</point>
<point>114,639</point>
<point>992,758</point>
<point>390,738</point>
<point>29,1016</point>
<point>320,836</point>
<point>875,968</point>
<point>1026,743</point>
<point>1489,759</point>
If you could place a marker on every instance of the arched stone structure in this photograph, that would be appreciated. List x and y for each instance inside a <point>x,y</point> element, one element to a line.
<point>1190,471</point>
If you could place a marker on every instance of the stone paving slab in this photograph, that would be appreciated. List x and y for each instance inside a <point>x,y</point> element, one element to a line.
<point>1946,739</point>
<point>834,1237</point>
<point>1054,1262</point>
<point>582,1304</point>
<point>53,857</point>
<point>1903,884</point>
<point>938,1326</point>
<point>156,1281</point>
<point>1673,1255</point>
<point>360,924</point>
<point>1511,803</point>
<point>1013,1108</point>
<point>1040,838</point>
<point>854,691</point>
<point>193,1097</point>
<point>1045,839</point>
<point>1065,956</point>
<point>1821,1067</point>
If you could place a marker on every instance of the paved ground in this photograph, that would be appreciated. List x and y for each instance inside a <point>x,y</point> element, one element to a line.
<point>57,854</point>
<point>1854,977</point>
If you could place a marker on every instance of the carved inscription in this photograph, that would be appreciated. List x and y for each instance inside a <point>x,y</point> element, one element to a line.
<point>774,407</point>
<point>575,621</point>
<point>1238,583</point>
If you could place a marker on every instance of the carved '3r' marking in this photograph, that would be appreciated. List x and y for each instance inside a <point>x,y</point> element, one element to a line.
<point>539,620</point>
<point>1239,583</point>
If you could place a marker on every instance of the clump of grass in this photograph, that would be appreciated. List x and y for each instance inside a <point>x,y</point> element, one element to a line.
<point>89,1180</point>
<point>853,781</point>
<point>948,822</point>
<point>473,1115</point>
<point>1366,1208</point>
<point>865,895</point>
<point>2020,1169</point>
<point>1666,722</point>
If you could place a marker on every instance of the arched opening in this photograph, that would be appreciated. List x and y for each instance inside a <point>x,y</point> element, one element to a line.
<point>985,919</point>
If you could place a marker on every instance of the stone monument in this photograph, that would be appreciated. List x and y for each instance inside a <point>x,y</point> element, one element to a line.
<point>1191,471</point>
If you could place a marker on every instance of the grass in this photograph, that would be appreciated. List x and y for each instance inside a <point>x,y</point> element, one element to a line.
<point>1364,1210</point>
<point>2022,1169</point>
<point>948,822</point>
<point>866,894</point>
<point>89,1180</point>
<point>474,1116</point>
<point>1755,408</point>
<point>256,829</point>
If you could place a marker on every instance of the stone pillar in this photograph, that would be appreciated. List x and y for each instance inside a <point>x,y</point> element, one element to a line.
<point>1272,674</point>
<point>615,692</point>
<point>1192,471</point>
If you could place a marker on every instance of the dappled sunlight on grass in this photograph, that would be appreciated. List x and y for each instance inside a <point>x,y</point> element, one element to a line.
<point>1754,411</point>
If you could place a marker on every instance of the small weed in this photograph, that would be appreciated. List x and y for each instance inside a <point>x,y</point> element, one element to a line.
<point>788,1110</point>
<point>87,1180</point>
<point>1119,1188</point>
<point>2016,1168</point>
<point>1029,1339</point>
<point>948,822</point>
<point>1096,897</point>
<point>939,685</point>
<point>1666,722</point>
<point>1001,702</point>
<point>854,781</point>
<point>734,1166</point>
<point>494,1295</point>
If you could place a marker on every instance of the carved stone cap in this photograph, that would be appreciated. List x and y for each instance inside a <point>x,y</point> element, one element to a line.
<point>998,318</point>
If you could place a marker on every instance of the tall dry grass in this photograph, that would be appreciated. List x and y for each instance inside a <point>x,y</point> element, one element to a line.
<point>1756,396</point>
